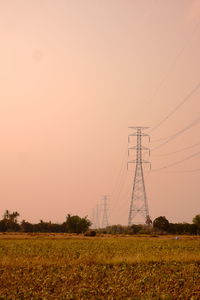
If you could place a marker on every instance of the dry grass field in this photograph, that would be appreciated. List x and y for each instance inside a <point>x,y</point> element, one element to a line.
<point>60,266</point>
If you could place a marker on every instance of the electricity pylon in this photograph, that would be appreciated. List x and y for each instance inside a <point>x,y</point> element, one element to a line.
<point>97,223</point>
<point>105,212</point>
<point>93,219</point>
<point>138,204</point>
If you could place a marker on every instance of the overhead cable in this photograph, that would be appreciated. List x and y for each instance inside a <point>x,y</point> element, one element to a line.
<point>180,150</point>
<point>121,170</point>
<point>194,123</point>
<point>174,62</point>
<point>182,171</point>
<point>194,90</point>
<point>177,162</point>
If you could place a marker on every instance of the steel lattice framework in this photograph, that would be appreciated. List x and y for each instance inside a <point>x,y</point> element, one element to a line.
<point>138,204</point>
<point>105,212</point>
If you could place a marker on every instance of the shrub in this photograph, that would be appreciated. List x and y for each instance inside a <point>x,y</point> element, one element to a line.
<point>90,233</point>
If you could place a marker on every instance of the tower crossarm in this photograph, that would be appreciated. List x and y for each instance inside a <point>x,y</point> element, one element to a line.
<point>138,134</point>
<point>138,127</point>
<point>140,161</point>
<point>141,134</point>
<point>136,148</point>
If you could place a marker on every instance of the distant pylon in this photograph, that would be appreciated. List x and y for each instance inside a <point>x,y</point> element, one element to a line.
<point>93,219</point>
<point>105,212</point>
<point>138,204</point>
<point>97,223</point>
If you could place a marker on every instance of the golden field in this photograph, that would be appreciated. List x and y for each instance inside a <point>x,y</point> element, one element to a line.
<point>61,266</point>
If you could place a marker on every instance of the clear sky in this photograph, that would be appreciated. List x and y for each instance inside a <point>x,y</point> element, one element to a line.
<point>74,75</point>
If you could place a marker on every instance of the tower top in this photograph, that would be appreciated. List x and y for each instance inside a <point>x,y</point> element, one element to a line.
<point>138,127</point>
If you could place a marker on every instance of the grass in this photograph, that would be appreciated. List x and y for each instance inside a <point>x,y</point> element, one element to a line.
<point>66,267</point>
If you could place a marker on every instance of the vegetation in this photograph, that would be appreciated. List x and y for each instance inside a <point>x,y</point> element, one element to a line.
<point>47,265</point>
<point>9,222</point>
<point>159,227</point>
<point>44,267</point>
<point>90,233</point>
<point>74,224</point>
<point>196,222</point>
<point>161,223</point>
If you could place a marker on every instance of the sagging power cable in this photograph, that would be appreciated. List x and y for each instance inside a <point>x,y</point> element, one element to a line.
<point>180,150</point>
<point>177,162</point>
<point>185,99</point>
<point>194,123</point>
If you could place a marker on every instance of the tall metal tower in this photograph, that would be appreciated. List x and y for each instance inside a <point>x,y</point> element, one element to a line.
<point>138,204</point>
<point>97,223</point>
<point>93,219</point>
<point>105,212</point>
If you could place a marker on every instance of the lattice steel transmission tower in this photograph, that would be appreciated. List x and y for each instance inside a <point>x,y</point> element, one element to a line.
<point>93,218</point>
<point>105,212</point>
<point>138,204</point>
<point>97,223</point>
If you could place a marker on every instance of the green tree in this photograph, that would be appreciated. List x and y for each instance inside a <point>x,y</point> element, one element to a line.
<point>76,224</point>
<point>9,222</point>
<point>26,226</point>
<point>196,221</point>
<point>6,215</point>
<point>161,223</point>
<point>12,217</point>
<point>134,229</point>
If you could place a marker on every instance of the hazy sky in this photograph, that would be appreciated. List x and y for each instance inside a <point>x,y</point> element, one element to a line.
<point>74,74</point>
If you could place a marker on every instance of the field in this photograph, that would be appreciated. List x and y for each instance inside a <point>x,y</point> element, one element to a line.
<point>68,267</point>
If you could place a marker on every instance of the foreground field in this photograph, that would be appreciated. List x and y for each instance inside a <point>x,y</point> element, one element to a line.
<point>43,267</point>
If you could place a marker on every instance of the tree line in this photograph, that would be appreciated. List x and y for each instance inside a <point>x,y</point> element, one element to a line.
<point>76,224</point>
<point>73,224</point>
<point>159,226</point>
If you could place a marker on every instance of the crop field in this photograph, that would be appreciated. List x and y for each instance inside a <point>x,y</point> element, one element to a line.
<point>53,267</point>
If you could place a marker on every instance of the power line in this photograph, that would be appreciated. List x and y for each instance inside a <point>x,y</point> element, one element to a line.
<point>180,150</point>
<point>121,171</point>
<point>177,162</point>
<point>174,62</point>
<point>182,171</point>
<point>194,90</point>
<point>124,194</point>
<point>120,190</point>
<point>161,139</point>
<point>119,181</point>
<point>194,123</point>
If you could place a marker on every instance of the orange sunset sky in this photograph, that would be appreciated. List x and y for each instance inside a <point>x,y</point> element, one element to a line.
<point>74,74</point>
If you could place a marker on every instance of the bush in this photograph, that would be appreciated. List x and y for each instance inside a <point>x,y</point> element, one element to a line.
<point>161,223</point>
<point>90,233</point>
